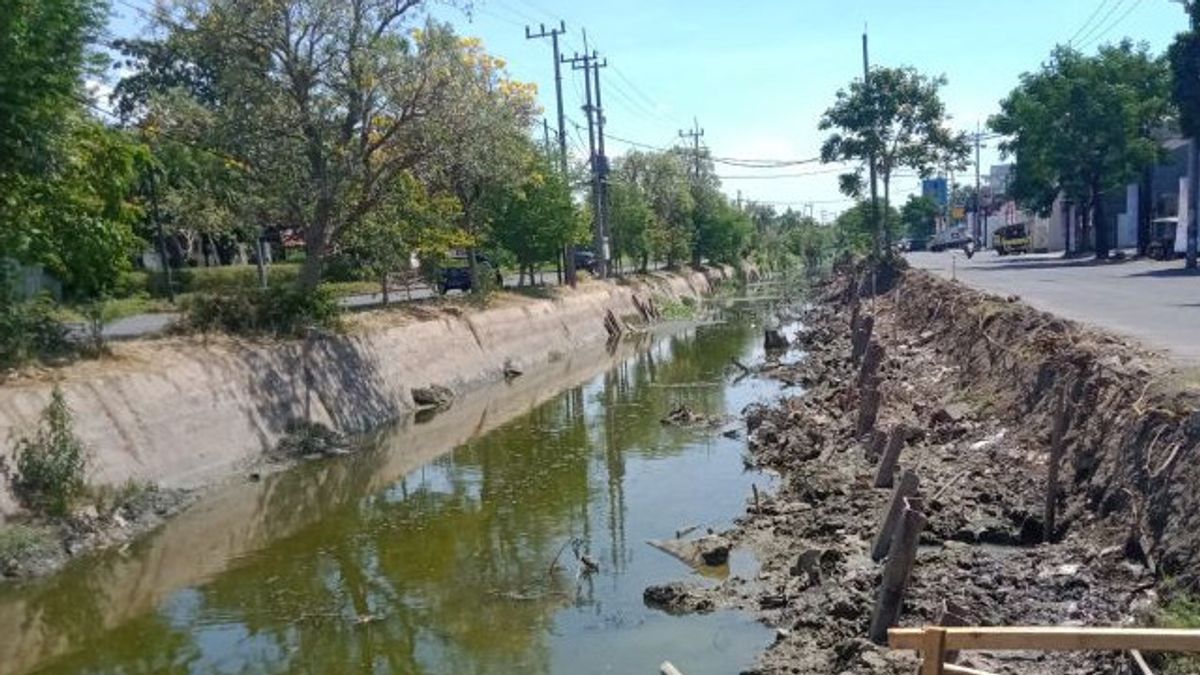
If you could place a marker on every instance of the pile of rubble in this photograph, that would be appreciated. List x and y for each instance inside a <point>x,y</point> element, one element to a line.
<point>917,484</point>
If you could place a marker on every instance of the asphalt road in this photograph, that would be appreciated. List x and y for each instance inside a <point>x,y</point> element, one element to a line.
<point>1157,303</point>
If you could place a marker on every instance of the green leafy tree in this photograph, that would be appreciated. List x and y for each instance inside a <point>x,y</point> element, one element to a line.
<point>1081,126</point>
<point>663,178</point>
<point>536,220</point>
<point>919,217</point>
<point>901,121</point>
<point>631,220</point>
<point>853,230</point>
<point>409,223</point>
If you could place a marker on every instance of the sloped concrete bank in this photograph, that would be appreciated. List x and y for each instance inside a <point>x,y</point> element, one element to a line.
<point>189,412</point>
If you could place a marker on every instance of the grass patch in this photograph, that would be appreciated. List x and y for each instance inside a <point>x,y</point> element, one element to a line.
<point>1181,611</point>
<point>19,542</point>
<point>683,308</point>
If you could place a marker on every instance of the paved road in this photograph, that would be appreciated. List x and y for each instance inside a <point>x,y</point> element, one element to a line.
<point>1155,302</point>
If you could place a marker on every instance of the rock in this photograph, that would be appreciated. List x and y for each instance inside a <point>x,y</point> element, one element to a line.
<point>434,395</point>
<point>951,414</point>
<point>676,598</point>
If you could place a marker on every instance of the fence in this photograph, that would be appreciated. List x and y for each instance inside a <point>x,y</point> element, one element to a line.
<point>935,642</point>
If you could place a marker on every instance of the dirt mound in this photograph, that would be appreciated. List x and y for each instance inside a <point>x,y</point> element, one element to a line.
<point>968,393</point>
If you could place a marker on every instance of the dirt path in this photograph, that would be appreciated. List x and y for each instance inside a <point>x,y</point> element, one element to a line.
<point>978,407</point>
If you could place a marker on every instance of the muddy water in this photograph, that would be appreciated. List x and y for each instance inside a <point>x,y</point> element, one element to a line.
<point>432,551</point>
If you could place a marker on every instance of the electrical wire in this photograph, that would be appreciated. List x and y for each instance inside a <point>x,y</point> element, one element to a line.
<point>1114,24</point>
<point>1095,12</point>
<point>1091,31</point>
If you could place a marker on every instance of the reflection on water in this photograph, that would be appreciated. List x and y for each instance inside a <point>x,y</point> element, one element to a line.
<point>400,561</point>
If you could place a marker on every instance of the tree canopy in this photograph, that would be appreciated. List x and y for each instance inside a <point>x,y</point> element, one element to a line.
<point>1082,126</point>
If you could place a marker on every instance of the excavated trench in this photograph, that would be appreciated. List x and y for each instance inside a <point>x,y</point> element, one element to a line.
<point>977,390</point>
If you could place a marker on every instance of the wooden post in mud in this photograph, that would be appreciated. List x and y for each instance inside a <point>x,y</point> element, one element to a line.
<point>952,616</point>
<point>891,456</point>
<point>868,407</point>
<point>902,554</point>
<point>1058,433</point>
<point>861,338</point>
<point>871,362</point>
<point>905,489</point>
<point>874,447</point>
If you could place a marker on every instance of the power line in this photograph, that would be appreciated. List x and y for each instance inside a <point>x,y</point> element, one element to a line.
<point>1116,23</point>
<point>1095,12</point>
<point>1091,31</point>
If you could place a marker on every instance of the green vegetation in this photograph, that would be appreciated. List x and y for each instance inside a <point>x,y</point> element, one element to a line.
<point>50,464</point>
<point>288,312</point>
<point>1082,124</point>
<point>901,122</point>
<point>19,542</point>
<point>1181,611</point>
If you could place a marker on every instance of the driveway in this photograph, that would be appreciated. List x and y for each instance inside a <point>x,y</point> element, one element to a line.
<point>1158,303</point>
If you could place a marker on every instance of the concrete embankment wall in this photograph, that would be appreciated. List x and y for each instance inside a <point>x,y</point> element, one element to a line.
<point>1133,426</point>
<point>188,412</point>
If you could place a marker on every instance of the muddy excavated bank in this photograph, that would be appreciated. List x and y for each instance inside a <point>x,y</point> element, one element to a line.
<point>972,385</point>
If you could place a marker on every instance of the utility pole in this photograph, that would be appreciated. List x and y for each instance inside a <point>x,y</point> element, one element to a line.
<point>568,252</point>
<point>604,254</point>
<point>585,63</point>
<point>695,133</point>
<point>871,155</point>
<point>978,226</point>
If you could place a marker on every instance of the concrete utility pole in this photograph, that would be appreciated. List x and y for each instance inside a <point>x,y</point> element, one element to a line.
<point>978,196</point>
<point>585,63</point>
<point>695,133</point>
<point>604,253</point>
<point>568,252</point>
<point>871,156</point>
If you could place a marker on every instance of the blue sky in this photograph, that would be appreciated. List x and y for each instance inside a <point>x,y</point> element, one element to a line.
<point>758,74</point>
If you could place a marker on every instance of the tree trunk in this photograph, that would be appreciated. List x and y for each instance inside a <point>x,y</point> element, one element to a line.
<point>314,258</point>
<point>383,284</point>
<point>883,217</point>
<point>1145,209</point>
<point>1099,226</point>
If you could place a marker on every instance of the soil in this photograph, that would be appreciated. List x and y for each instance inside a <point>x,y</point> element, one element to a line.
<point>973,382</point>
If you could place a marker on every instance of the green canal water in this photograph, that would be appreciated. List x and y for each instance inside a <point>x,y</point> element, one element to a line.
<point>431,552</point>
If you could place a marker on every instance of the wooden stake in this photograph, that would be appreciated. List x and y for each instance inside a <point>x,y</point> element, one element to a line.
<point>933,651</point>
<point>905,488</point>
<point>1057,434</point>
<point>868,410</point>
<point>861,338</point>
<point>901,556</point>
<point>874,447</point>
<point>871,362</point>
<point>891,456</point>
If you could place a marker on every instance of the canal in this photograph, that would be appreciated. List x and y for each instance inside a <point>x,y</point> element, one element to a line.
<point>431,552</point>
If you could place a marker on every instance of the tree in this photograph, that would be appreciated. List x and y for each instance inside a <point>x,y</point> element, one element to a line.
<point>918,216</point>
<point>853,230</point>
<point>478,147</point>
<point>901,121</point>
<point>410,222</point>
<point>631,220</point>
<point>662,178</point>
<point>536,220</point>
<point>325,103</point>
<point>1081,126</point>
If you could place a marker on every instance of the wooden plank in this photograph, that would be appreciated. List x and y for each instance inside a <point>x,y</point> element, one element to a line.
<point>1055,638</point>
<point>1140,662</point>
<point>933,651</point>
<point>951,669</point>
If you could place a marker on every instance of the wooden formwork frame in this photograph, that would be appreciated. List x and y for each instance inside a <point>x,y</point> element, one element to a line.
<point>934,641</point>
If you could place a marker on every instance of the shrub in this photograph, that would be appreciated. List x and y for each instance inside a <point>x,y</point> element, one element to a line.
<point>283,312</point>
<point>50,464</point>
<point>30,331</point>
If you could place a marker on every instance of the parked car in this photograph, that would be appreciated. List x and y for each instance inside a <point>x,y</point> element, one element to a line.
<point>458,276</point>
<point>585,260</point>
<point>913,244</point>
